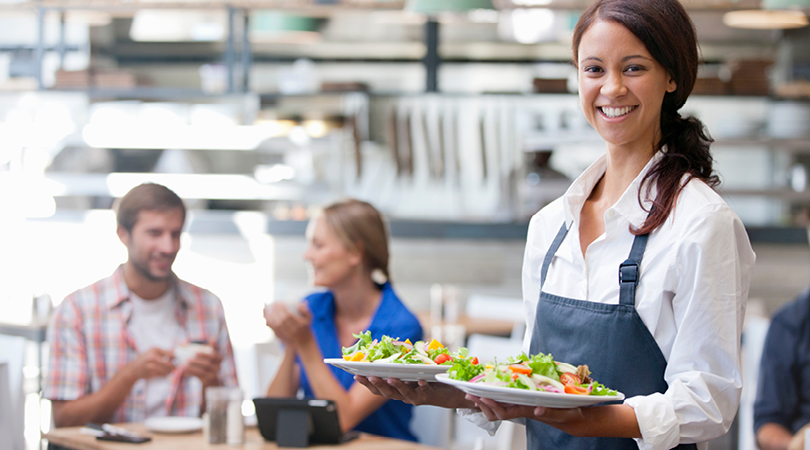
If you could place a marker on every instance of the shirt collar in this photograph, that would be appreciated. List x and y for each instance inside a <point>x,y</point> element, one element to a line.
<point>627,205</point>
<point>120,291</point>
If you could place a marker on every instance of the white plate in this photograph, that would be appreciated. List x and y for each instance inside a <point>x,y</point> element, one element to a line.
<point>526,397</point>
<point>404,372</point>
<point>173,425</point>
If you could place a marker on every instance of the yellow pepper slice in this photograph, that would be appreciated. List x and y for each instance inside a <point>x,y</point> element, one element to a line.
<point>434,344</point>
<point>357,356</point>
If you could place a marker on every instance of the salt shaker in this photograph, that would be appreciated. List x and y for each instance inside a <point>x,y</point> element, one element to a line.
<point>223,416</point>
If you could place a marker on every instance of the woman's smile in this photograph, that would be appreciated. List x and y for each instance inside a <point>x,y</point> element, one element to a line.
<point>616,112</point>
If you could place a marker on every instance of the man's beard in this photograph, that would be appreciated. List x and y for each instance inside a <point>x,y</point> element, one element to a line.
<point>143,269</point>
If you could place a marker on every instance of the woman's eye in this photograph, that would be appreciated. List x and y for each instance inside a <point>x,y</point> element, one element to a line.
<point>592,69</point>
<point>634,69</point>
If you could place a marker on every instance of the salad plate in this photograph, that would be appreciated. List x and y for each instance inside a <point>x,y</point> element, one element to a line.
<point>526,397</point>
<point>403,372</point>
<point>173,424</point>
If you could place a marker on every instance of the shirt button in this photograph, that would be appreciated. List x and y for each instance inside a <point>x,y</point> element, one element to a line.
<point>611,213</point>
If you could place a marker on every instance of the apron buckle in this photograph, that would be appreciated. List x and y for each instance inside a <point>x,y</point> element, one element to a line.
<point>628,272</point>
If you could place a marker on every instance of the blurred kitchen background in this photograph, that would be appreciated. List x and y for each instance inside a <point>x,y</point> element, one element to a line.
<point>458,119</point>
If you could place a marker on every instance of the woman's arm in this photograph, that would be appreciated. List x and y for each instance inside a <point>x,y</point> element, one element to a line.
<point>286,381</point>
<point>595,421</point>
<point>419,393</point>
<point>353,405</point>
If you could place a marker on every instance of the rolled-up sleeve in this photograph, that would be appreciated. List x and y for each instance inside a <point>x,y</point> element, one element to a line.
<point>68,375</point>
<point>711,273</point>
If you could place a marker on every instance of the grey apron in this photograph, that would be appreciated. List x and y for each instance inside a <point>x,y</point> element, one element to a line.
<point>611,339</point>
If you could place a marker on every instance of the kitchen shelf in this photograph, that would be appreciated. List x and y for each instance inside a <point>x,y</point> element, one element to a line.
<point>187,186</point>
<point>567,137</point>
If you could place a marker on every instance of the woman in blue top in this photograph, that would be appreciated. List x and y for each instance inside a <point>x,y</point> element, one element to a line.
<point>348,254</point>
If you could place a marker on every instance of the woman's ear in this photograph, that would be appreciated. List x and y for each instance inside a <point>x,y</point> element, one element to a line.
<point>672,86</point>
<point>356,254</point>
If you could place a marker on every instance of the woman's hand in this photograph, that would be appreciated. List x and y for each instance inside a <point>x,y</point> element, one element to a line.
<point>292,327</point>
<point>569,420</point>
<point>416,393</point>
<point>608,420</point>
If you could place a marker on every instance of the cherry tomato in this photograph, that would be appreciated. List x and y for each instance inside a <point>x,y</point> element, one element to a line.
<point>578,390</point>
<point>474,360</point>
<point>520,368</point>
<point>570,378</point>
<point>442,358</point>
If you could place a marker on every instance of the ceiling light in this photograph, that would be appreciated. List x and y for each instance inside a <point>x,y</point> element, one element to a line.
<point>273,26</point>
<point>163,25</point>
<point>765,19</point>
<point>785,4</point>
<point>438,6</point>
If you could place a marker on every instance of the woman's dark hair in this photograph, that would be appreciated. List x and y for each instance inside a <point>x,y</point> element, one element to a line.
<point>669,35</point>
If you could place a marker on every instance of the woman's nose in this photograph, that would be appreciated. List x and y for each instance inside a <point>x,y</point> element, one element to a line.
<point>614,85</point>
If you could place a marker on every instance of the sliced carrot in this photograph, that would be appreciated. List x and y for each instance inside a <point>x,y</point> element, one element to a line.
<point>520,368</point>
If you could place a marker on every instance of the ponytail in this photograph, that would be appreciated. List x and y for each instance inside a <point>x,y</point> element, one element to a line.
<point>685,148</point>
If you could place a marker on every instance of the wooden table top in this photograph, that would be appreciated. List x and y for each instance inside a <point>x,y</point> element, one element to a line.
<point>72,438</point>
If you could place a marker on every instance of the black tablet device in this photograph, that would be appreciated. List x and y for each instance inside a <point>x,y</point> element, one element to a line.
<point>292,422</point>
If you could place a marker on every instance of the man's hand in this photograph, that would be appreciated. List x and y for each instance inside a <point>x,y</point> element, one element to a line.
<point>292,327</point>
<point>154,362</point>
<point>205,366</point>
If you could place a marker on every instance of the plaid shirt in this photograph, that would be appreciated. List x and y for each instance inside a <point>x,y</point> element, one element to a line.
<point>90,343</point>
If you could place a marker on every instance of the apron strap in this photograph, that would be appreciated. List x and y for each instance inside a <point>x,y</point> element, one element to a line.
<point>628,271</point>
<point>555,244</point>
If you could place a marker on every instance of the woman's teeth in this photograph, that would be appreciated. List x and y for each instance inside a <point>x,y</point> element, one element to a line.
<point>616,112</point>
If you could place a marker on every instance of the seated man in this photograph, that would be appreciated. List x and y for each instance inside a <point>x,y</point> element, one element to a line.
<point>112,344</point>
<point>782,406</point>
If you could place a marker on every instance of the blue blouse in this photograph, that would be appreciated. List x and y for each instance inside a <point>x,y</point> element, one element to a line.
<point>393,319</point>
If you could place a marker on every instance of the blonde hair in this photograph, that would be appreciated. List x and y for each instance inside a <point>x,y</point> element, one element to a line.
<point>360,227</point>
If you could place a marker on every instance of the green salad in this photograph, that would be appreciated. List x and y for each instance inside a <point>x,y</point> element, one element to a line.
<point>535,373</point>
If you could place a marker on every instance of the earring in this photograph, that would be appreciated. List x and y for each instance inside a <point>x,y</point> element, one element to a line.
<point>378,276</point>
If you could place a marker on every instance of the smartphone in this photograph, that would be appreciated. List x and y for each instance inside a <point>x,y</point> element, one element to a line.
<point>122,438</point>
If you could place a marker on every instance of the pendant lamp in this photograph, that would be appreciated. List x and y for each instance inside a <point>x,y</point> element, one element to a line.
<point>786,4</point>
<point>774,15</point>
<point>763,19</point>
<point>274,26</point>
<point>438,6</point>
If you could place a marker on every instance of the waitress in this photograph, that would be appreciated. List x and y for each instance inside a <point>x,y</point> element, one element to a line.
<point>641,270</point>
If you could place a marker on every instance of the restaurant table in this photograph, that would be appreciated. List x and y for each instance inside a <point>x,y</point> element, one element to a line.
<point>72,438</point>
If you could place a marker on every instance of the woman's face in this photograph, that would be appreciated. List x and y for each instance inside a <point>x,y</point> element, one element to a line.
<point>331,262</point>
<point>621,86</point>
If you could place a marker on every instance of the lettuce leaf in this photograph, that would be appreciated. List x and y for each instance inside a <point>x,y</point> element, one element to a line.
<point>464,370</point>
<point>363,341</point>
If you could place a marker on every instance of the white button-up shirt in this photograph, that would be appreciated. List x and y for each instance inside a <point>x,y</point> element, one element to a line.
<point>695,276</point>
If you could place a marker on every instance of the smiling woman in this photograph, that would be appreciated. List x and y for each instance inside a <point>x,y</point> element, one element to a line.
<point>647,210</point>
<point>348,255</point>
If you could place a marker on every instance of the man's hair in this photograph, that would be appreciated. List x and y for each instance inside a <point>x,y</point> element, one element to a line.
<point>146,197</point>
